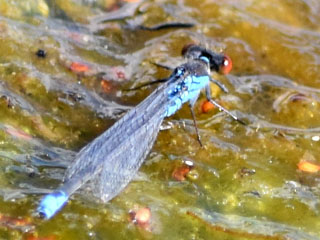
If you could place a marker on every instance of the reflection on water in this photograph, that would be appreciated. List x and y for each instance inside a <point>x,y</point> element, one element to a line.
<point>246,183</point>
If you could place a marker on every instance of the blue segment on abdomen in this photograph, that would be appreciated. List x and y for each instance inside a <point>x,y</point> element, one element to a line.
<point>51,203</point>
<point>192,85</point>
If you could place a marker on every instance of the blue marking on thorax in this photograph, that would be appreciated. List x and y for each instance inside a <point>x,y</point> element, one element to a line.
<point>185,91</point>
<point>205,59</point>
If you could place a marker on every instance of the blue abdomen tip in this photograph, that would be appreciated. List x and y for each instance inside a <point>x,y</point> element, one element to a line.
<point>52,203</point>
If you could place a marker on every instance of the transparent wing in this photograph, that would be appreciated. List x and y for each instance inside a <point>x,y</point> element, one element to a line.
<point>127,160</point>
<point>121,149</point>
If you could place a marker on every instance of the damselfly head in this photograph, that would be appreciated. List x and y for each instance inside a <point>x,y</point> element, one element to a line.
<point>192,50</point>
<point>217,62</point>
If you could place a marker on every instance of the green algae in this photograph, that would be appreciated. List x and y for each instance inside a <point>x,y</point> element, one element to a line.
<point>244,174</point>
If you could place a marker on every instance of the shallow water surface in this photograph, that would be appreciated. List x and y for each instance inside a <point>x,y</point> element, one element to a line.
<point>64,68</point>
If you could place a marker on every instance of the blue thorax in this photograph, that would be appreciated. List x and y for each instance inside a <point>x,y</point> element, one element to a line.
<point>187,88</point>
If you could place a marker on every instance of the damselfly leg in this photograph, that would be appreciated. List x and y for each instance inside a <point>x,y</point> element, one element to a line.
<point>195,125</point>
<point>209,98</point>
<point>162,66</point>
<point>220,85</point>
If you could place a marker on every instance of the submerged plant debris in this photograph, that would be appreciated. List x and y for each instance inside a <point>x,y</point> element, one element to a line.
<point>65,67</point>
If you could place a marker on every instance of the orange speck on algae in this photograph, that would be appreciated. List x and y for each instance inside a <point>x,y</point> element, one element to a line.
<point>308,167</point>
<point>79,67</point>
<point>141,217</point>
<point>180,173</point>
<point>106,86</point>
<point>17,133</point>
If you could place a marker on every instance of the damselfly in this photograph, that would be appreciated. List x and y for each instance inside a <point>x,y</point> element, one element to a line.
<point>113,158</point>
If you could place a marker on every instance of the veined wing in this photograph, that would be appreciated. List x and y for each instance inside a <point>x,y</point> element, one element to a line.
<point>127,160</point>
<point>122,146</point>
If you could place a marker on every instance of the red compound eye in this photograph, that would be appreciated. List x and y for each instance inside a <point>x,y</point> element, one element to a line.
<point>226,65</point>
